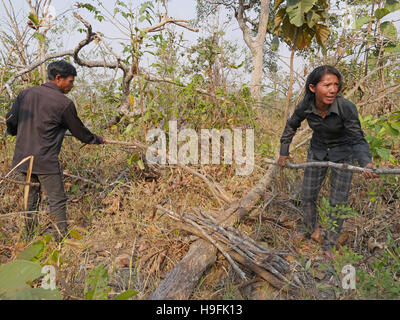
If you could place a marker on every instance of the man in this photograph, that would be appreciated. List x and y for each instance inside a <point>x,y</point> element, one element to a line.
<point>39,118</point>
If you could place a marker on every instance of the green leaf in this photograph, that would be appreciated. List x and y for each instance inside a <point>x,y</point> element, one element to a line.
<point>395,125</point>
<point>140,164</point>
<point>362,20</point>
<point>34,19</point>
<point>39,36</point>
<point>275,43</point>
<point>37,294</point>
<point>75,234</point>
<point>311,18</point>
<point>392,5</point>
<point>15,274</point>
<point>308,265</point>
<point>384,153</point>
<point>96,284</point>
<point>126,295</point>
<point>289,30</point>
<point>389,30</point>
<point>392,131</point>
<point>296,10</point>
<point>32,252</point>
<point>392,48</point>
<point>380,13</point>
<point>86,6</point>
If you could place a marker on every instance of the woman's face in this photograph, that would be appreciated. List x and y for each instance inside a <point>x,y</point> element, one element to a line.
<point>325,90</point>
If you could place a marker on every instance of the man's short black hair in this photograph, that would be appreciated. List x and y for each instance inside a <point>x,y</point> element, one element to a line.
<point>61,68</point>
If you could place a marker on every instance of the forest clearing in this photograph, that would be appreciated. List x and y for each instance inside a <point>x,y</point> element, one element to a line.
<point>182,196</point>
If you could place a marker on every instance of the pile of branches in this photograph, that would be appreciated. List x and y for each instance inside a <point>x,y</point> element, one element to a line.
<point>270,265</point>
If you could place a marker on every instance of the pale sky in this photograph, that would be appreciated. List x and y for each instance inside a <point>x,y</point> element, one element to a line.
<point>179,9</point>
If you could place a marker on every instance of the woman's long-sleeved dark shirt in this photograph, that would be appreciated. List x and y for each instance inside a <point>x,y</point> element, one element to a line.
<point>335,137</point>
<point>39,118</point>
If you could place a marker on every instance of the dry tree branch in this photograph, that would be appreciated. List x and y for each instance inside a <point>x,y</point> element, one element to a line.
<point>217,190</point>
<point>343,166</point>
<point>208,237</point>
<point>267,263</point>
<point>32,66</point>
<point>32,184</point>
<point>65,173</point>
<point>361,81</point>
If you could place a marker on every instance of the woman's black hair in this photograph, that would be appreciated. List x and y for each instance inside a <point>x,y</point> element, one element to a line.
<point>61,68</point>
<point>315,76</point>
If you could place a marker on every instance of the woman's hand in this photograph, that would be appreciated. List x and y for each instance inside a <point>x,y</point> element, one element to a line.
<point>370,175</point>
<point>282,160</point>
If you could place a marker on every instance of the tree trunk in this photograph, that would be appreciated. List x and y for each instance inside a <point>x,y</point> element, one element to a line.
<point>256,46</point>
<point>289,95</point>
<point>256,74</point>
<point>183,279</point>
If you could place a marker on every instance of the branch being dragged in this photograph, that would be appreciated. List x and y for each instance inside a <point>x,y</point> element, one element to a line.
<point>343,166</point>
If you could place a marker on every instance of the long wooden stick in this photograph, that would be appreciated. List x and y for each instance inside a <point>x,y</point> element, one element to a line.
<point>343,166</point>
<point>124,143</point>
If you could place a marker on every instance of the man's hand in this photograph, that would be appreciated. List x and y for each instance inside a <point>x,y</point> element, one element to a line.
<point>282,160</point>
<point>370,175</point>
<point>104,141</point>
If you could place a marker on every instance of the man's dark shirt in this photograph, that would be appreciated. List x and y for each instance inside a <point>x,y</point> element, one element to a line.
<point>335,137</point>
<point>39,118</point>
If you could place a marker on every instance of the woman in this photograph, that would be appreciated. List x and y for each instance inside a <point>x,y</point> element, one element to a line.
<point>337,137</point>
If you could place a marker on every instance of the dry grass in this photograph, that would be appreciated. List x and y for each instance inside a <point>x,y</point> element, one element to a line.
<point>122,230</point>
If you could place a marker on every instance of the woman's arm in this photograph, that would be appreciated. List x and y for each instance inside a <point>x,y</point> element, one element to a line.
<point>293,123</point>
<point>353,130</point>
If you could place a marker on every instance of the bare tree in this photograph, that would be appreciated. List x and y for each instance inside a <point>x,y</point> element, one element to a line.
<point>254,31</point>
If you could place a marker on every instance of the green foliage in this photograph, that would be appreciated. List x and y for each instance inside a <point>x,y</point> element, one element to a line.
<point>378,279</point>
<point>383,282</point>
<point>300,21</point>
<point>16,277</point>
<point>96,284</point>
<point>91,8</point>
<point>97,288</point>
<point>329,215</point>
<point>382,134</point>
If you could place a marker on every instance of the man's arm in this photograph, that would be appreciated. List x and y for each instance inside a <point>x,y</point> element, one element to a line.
<point>12,116</point>
<point>77,128</point>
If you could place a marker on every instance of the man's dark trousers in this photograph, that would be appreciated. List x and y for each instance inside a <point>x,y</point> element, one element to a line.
<point>53,186</point>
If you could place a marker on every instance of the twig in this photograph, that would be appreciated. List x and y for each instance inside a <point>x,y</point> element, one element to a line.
<point>32,184</point>
<point>215,243</point>
<point>83,179</point>
<point>124,143</point>
<point>230,239</point>
<point>262,210</point>
<point>215,189</point>
<point>343,166</point>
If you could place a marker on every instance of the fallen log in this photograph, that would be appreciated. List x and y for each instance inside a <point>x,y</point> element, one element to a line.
<point>202,254</point>
<point>267,263</point>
